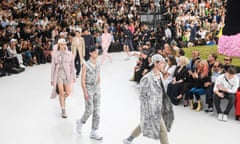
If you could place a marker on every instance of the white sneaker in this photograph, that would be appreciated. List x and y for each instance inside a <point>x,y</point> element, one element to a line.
<point>220,117</point>
<point>79,126</point>
<point>94,135</point>
<point>225,117</point>
<point>127,58</point>
<point>126,141</point>
<point>22,66</point>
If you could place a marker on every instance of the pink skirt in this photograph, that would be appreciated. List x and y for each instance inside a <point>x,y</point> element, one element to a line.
<point>229,45</point>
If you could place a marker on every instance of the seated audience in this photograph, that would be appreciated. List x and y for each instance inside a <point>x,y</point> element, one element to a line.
<point>225,87</point>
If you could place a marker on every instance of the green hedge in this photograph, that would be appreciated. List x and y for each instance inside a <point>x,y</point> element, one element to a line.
<point>206,50</point>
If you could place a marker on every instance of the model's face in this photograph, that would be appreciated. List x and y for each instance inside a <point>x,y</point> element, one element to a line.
<point>62,46</point>
<point>160,65</point>
<point>94,54</point>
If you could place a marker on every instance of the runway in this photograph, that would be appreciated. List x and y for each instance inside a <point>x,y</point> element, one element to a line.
<point>29,116</point>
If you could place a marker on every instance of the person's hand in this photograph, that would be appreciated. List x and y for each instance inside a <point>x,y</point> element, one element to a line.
<point>206,84</point>
<point>86,96</point>
<point>190,72</point>
<point>219,94</point>
<point>52,83</point>
<point>174,81</point>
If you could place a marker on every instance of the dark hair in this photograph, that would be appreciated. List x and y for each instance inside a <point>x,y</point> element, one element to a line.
<point>172,59</point>
<point>231,70</point>
<point>181,52</point>
<point>214,55</point>
<point>92,49</point>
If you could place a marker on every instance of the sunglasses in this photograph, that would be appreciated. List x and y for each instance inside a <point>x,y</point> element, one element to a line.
<point>226,59</point>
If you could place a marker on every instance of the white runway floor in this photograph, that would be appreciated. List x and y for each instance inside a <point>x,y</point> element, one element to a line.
<point>29,116</point>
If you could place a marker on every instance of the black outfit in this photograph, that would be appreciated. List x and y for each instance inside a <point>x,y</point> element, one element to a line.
<point>198,87</point>
<point>128,36</point>
<point>89,42</point>
<point>144,65</point>
<point>232,20</point>
<point>176,89</point>
<point>77,63</point>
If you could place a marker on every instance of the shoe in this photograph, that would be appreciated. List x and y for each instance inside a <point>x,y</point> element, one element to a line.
<point>79,126</point>
<point>199,106</point>
<point>94,135</point>
<point>220,117</point>
<point>185,103</point>
<point>22,66</point>
<point>225,117</point>
<point>209,110</point>
<point>64,115</point>
<point>191,104</point>
<point>126,141</point>
<point>127,58</point>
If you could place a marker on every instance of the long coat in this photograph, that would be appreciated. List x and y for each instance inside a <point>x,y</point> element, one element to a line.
<point>68,65</point>
<point>155,105</point>
<point>78,44</point>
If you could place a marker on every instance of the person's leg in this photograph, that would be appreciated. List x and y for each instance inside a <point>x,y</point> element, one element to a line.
<point>67,90</point>
<point>96,112</point>
<point>136,132</point>
<point>108,55</point>
<point>231,100</point>
<point>77,64</point>
<point>96,118</point>
<point>104,55</point>
<point>163,133</point>
<point>61,98</point>
<point>190,95</point>
<point>217,102</point>
<point>88,109</point>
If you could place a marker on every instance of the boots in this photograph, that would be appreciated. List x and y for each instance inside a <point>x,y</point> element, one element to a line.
<point>199,106</point>
<point>191,104</point>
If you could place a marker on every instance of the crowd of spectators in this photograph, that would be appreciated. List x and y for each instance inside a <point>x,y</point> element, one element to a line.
<point>29,29</point>
<point>34,26</point>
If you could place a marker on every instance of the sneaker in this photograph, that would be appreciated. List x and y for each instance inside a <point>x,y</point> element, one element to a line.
<point>126,141</point>
<point>22,66</point>
<point>94,135</point>
<point>209,110</point>
<point>220,117</point>
<point>64,114</point>
<point>127,58</point>
<point>79,126</point>
<point>225,117</point>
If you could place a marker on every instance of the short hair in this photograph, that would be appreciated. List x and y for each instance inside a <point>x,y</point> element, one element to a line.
<point>181,52</point>
<point>231,70</point>
<point>214,55</point>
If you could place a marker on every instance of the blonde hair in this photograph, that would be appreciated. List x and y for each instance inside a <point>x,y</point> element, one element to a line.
<point>184,60</point>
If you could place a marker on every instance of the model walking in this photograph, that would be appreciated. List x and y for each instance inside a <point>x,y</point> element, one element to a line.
<point>156,108</point>
<point>62,74</point>
<point>78,50</point>
<point>90,80</point>
<point>106,42</point>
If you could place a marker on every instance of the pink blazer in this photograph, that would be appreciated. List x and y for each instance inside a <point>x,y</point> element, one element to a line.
<point>106,40</point>
<point>68,65</point>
